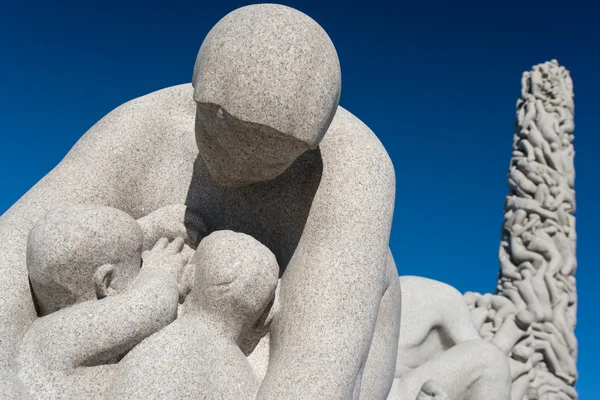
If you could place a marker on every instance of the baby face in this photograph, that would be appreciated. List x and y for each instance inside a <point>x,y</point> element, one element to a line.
<point>234,274</point>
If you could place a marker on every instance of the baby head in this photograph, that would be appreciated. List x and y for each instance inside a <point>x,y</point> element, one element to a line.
<point>236,277</point>
<point>82,252</point>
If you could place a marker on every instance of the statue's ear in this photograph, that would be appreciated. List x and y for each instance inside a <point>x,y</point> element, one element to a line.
<point>103,279</point>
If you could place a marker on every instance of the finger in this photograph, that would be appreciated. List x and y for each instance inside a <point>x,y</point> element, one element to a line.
<point>181,271</point>
<point>160,244</point>
<point>175,246</point>
<point>181,261</point>
<point>188,252</point>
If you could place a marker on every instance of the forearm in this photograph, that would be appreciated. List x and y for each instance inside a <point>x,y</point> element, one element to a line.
<point>333,325</point>
<point>170,222</point>
<point>100,330</point>
<point>147,307</point>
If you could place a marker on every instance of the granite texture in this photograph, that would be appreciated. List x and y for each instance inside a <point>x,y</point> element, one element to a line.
<point>440,354</point>
<point>198,355</point>
<point>533,315</point>
<point>89,257</point>
<point>80,252</point>
<point>292,291</point>
<point>324,206</point>
<point>273,66</point>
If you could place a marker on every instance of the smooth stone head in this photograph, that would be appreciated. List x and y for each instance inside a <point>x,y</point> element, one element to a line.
<point>267,82</point>
<point>68,246</point>
<point>236,277</point>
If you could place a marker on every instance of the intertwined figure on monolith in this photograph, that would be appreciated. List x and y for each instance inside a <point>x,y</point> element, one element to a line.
<point>532,317</point>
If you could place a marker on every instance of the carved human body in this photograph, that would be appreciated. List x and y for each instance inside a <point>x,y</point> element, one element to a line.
<point>83,261</point>
<point>537,251</point>
<point>326,218</point>
<point>198,355</point>
<point>439,342</point>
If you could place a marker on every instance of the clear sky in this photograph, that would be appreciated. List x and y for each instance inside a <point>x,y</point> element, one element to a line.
<point>436,81</point>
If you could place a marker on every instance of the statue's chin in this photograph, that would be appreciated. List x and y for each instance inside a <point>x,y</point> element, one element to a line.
<point>227,181</point>
<point>233,180</point>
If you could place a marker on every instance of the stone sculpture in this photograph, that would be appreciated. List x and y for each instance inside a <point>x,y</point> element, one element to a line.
<point>439,346</point>
<point>75,256</point>
<point>257,144</point>
<point>198,355</point>
<point>440,355</point>
<point>532,317</point>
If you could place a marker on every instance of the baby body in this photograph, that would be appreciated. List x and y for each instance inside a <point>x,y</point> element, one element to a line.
<point>198,355</point>
<point>94,301</point>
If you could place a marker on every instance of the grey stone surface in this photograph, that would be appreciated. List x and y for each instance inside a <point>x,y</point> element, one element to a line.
<point>271,66</point>
<point>440,353</point>
<point>532,317</point>
<point>79,252</point>
<point>198,355</point>
<point>84,263</point>
<point>322,204</point>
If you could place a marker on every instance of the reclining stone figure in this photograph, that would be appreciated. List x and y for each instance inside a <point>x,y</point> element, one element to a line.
<point>440,350</point>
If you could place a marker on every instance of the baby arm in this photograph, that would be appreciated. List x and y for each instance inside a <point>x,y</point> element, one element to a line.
<point>96,331</point>
<point>171,222</point>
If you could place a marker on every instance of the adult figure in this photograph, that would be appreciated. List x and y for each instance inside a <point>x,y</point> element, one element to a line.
<point>257,144</point>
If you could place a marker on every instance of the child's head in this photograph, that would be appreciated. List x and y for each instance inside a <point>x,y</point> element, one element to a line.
<point>236,277</point>
<point>82,252</point>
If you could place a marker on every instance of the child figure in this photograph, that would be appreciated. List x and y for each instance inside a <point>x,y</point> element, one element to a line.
<point>198,355</point>
<point>94,301</point>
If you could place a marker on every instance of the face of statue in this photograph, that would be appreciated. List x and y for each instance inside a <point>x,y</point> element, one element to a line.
<point>267,84</point>
<point>235,277</point>
<point>239,153</point>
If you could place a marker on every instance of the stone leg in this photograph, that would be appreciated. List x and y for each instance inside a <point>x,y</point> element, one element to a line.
<point>432,391</point>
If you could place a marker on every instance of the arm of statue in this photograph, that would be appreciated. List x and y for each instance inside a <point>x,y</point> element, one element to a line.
<point>93,171</point>
<point>332,288</point>
<point>96,331</point>
<point>171,222</point>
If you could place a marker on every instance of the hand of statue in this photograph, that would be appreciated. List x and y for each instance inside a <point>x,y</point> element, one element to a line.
<point>186,281</point>
<point>171,257</point>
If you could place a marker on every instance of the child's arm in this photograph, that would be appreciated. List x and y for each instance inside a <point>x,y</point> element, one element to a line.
<point>93,332</point>
<point>170,222</point>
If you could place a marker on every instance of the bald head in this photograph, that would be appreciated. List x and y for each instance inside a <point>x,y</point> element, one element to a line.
<point>70,243</point>
<point>271,65</point>
<point>236,276</point>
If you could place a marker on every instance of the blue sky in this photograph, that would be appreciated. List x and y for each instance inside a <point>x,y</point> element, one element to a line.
<point>437,82</point>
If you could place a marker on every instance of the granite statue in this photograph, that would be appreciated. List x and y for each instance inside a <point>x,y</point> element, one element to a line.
<point>532,316</point>
<point>440,351</point>
<point>441,355</point>
<point>286,201</point>
<point>256,144</point>
<point>198,355</point>
<point>94,301</point>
